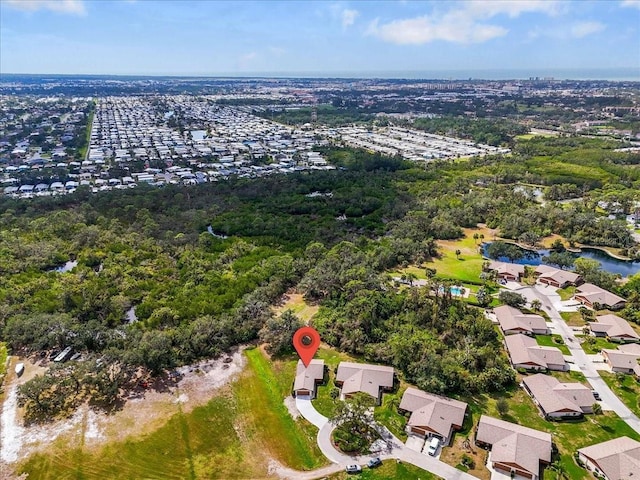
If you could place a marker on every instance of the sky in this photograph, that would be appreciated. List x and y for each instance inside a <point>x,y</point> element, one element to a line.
<point>147,37</point>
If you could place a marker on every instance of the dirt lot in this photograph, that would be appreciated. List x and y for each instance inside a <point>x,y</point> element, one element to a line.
<point>143,411</point>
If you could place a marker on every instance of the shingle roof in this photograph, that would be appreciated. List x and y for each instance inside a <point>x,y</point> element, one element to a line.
<point>306,377</point>
<point>614,326</point>
<point>619,459</point>
<point>513,269</point>
<point>362,377</point>
<point>511,318</point>
<point>515,444</point>
<point>435,412</point>
<point>555,397</point>
<point>560,276</point>
<point>621,359</point>
<point>594,294</point>
<point>525,350</point>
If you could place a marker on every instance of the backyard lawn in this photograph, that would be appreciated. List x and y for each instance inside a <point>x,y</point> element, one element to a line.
<point>553,341</point>
<point>233,436</point>
<point>566,293</point>
<point>592,345</point>
<point>573,319</point>
<point>627,390</point>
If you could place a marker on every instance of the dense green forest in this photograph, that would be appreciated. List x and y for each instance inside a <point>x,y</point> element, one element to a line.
<point>195,295</point>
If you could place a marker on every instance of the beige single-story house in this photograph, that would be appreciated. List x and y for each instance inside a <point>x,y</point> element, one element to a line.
<point>624,359</point>
<point>558,400</point>
<point>308,378</point>
<point>513,321</point>
<point>614,328</point>
<point>525,352</point>
<point>361,377</point>
<point>507,271</point>
<point>432,415</point>
<point>514,449</point>
<point>556,277</point>
<point>615,459</point>
<point>589,294</point>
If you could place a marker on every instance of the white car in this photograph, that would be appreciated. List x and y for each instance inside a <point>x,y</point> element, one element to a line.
<point>433,446</point>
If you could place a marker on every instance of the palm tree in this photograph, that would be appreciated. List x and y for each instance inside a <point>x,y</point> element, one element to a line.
<point>458,252</point>
<point>536,304</point>
<point>476,237</point>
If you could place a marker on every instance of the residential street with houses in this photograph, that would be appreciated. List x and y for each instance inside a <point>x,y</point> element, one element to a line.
<point>551,304</point>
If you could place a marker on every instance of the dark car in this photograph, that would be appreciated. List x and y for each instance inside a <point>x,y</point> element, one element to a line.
<point>596,395</point>
<point>353,469</point>
<point>374,462</point>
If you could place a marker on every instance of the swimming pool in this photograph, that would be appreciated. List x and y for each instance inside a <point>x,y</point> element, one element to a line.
<point>457,291</point>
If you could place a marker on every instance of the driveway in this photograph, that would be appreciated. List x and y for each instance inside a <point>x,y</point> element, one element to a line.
<point>395,449</point>
<point>307,410</point>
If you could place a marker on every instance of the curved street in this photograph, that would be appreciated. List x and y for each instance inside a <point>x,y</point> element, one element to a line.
<point>395,449</point>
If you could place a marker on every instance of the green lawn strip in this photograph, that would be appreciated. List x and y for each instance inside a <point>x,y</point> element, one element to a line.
<point>570,376</point>
<point>568,436</point>
<point>3,358</point>
<point>390,469</point>
<point>566,293</point>
<point>573,319</point>
<point>464,269</point>
<point>626,389</point>
<point>296,443</point>
<point>595,344</point>
<point>323,401</point>
<point>387,413</point>
<point>553,341</point>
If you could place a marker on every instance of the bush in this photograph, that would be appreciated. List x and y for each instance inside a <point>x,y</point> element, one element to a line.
<point>467,461</point>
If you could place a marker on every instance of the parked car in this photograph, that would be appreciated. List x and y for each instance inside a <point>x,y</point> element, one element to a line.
<point>374,462</point>
<point>353,469</point>
<point>596,395</point>
<point>432,449</point>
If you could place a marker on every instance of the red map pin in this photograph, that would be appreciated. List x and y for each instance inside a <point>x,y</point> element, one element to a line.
<point>306,341</point>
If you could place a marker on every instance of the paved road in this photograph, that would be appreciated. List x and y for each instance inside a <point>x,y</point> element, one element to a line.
<point>550,302</point>
<point>395,450</point>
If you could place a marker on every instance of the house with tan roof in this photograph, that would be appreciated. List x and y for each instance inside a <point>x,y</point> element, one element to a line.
<point>614,328</point>
<point>515,449</point>
<point>617,459</point>
<point>558,400</point>
<point>513,321</point>
<point>624,359</point>
<point>361,377</point>
<point>589,294</point>
<point>507,271</point>
<point>556,277</point>
<point>308,378</point>
<point>524,352</point>
<point>432,415</point>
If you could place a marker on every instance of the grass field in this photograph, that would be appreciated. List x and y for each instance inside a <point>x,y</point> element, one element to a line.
<point>570,376</point>
<point>233,436</point>
<point>573,319</point>
<point>628,390</point>
<point>597,345</point>
<point>553,341</point>
<point>297,304</point>
<point>390,469</point>
<point>566,293</point>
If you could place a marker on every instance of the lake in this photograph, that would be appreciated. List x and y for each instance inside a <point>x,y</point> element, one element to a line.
<point>609,264</point>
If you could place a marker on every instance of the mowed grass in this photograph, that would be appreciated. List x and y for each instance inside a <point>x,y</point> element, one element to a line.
<point>390,469</point>
<point>233,436</point>
<point>627,390</point>
<point>553,341</point>
<point>573,319</point>
<point>596,344</point>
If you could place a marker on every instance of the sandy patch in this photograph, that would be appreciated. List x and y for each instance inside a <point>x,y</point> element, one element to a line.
<point>143,412</point>
<point>290,403</point>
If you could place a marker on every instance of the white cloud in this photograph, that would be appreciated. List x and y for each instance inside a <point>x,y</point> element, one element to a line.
<point>465,23</point>
<point>630,3</point>
<point>582,29</point>
<point>348,17</point>
<point>75,7</point>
